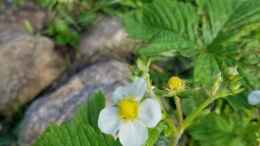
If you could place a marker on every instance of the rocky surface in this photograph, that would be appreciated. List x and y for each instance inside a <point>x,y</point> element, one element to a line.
<point>19,18</point>
<point>60,105</point>
<point>106,38</point>
<point>28,64</point>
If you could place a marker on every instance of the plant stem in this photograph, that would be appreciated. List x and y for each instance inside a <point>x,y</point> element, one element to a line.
<point>188,121</point>
<point>178,108</point>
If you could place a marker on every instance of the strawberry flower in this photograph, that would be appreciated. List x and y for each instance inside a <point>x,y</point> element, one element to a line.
<point>129,117</point>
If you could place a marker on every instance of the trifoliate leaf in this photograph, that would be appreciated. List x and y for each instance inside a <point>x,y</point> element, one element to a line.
<point>165,26</point>
<point>216,130</point>
<point>212,127</point>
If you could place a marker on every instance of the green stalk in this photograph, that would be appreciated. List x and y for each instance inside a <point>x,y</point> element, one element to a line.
<point>188,121</point>
<point>179,109</point>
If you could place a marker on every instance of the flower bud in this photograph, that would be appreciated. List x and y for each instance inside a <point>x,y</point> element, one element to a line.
<point>176,84</point>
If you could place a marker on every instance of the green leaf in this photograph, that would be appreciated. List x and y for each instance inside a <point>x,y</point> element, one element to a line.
<point>224,19</point>
<point>214,25</point>
<point>206,70</point>
<point>166,42</point>
<point>166,25</point>
<point>47,3</point>
<point>63,33</point>
<point>218,27</point>
<point>216,130</point>
<point>190,104</point>
<point>154,135</point>
<point>249,66</point>
<point>89,111</point>
<point>80,131</point>
<point>212,127</point>
<point>86,18</point>
<point>238,102</point>
<point>72,134</point>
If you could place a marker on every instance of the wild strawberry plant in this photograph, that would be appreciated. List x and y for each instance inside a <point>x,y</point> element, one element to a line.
<point>211,99</point>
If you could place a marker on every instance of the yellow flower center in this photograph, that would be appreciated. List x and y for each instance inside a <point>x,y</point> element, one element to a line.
<point>128,109</point>
<point>176,84</point>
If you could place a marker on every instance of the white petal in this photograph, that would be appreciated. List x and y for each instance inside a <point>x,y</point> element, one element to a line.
<point>108,121</point>
<point>254,97</point>
<point>133,134</point>
<point>136,89</point>
<point>119,94</point>
<point>150,112</point>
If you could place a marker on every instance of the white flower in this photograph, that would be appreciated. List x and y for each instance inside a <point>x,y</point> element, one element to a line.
<point>254,97</point>
<point>129,118</point>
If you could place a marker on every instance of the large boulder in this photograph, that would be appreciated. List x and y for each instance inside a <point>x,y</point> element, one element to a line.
<point>60,105</point>
<point>28,64</point>
<point>106,38</point>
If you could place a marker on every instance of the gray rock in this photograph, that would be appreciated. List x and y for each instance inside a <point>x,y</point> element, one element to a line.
<point>28,64</point>
<point>106,38</point>
<point>60,105</point>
